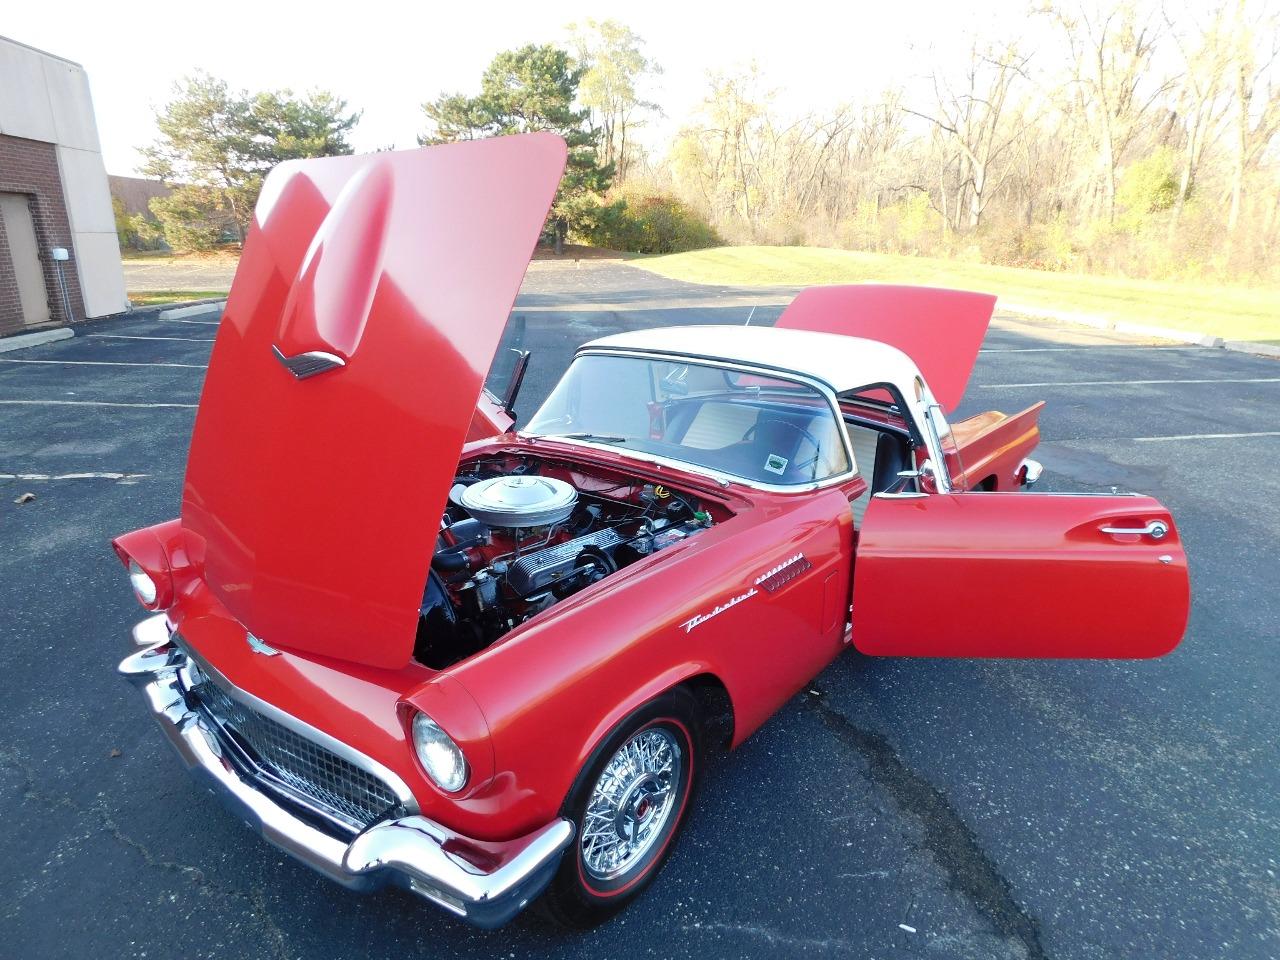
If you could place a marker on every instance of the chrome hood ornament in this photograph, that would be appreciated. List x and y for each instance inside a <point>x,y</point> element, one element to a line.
<point>257,646</point>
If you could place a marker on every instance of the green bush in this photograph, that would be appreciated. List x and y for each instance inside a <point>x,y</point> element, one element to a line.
<point>193,218</point>
<point>1147,187</point>
<point>643,221</point>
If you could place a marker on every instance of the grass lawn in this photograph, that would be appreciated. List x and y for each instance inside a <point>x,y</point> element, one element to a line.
<point>227,252</point>
<point>151,298</point>
<point>1234,313</point>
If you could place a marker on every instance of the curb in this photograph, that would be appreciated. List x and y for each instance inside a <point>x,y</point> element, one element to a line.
<point>1164,333</point>
<point>1248,346</point>
<point>196,310</point>
<point>24,340</point>
<point>1141,329</point>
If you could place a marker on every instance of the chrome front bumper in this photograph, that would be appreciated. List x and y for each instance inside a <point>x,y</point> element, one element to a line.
<point>412,852</point>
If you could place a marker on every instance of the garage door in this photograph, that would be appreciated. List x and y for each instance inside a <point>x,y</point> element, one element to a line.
<point>33,298</point>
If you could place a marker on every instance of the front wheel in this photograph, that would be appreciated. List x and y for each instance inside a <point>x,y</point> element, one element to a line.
<point>628,803</point>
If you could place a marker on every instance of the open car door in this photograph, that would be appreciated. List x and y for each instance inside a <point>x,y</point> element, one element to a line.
<point>1018,575</point>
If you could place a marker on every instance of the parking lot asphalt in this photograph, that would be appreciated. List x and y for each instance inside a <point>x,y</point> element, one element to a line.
<point>930,808</point>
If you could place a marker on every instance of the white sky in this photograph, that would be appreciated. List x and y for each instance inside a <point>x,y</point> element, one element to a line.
<point>387,58</point>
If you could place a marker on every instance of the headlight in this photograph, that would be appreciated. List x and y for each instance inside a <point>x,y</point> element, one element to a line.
<point>143,585</point>
<point>440,756</point>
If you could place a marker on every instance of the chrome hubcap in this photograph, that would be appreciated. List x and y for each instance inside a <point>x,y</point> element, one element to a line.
<point>631,803</point>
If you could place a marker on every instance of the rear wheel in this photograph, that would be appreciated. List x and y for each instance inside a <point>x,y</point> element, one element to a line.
<point>628,803</point>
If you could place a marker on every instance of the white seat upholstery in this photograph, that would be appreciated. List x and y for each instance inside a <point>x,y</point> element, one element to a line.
<point>863,440</point>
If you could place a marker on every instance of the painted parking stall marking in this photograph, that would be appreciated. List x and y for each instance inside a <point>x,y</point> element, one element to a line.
<point>1091,347</point>
<point>110,363</point>
<point>95,403</point>
<point>1123,383</point>
<point>1207,436</point>
<point>125,477</point>
<point>121,336</point>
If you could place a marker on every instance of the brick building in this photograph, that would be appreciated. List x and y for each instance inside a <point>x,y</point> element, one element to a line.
<point>59,257</point>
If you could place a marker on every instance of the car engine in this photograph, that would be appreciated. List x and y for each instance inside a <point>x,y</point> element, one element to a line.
<point>519,535</point>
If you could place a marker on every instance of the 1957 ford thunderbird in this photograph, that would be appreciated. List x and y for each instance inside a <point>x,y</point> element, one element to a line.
<point>412,644</point>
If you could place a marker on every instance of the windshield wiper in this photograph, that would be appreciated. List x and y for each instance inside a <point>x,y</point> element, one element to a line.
<point>594,437</point>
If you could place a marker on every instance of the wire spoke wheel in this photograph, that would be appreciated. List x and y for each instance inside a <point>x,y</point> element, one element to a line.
<point>631,803</point>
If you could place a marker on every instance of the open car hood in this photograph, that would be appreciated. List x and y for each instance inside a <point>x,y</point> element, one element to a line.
<point>941,330</point>
<point>366,309</point>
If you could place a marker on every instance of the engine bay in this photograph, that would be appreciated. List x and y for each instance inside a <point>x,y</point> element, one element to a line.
<point>521,533</point>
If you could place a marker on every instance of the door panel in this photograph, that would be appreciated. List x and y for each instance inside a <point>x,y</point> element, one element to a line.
<point>1018,575</point>
<point>24,248</point>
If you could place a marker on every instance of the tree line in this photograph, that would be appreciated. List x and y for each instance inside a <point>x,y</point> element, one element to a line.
<point>1096,135</point>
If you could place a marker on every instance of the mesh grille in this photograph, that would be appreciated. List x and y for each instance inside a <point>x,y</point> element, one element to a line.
<point>339,787</point>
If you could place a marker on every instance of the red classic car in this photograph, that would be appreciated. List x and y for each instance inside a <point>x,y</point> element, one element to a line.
<point>490,671</point>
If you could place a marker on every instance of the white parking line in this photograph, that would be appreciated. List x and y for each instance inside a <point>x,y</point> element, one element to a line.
<point>1090,346</point>
<point>206,323</point>
<point>110,363</point>
<point>92,403</point>
<point>1208,436</point>
<point>71,476</point>
<point>1122,383</point>
<point>121,336</point>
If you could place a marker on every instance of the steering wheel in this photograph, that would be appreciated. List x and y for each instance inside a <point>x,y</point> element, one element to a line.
<point>805,434</point>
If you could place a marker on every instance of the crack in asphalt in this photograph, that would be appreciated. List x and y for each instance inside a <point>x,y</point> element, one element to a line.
<point>770,936</point>
<point>255,899</point>
<point>947,837</point>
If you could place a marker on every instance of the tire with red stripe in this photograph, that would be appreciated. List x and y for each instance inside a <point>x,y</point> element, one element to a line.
<point>628,803</point>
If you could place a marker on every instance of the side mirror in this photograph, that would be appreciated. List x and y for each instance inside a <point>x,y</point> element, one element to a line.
<point>928,477</point>
<point>904,477</point>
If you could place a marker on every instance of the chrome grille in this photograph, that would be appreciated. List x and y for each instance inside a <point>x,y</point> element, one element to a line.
<point>288,760</point>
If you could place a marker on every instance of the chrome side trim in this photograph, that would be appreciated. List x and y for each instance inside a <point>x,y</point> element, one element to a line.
<point>301,727</point>
<point>412,852</point>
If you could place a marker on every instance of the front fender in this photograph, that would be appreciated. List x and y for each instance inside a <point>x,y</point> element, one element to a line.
<point>552,690</point>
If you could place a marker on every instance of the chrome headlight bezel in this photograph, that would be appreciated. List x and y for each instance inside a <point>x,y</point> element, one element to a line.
<point>143,585</point>
<point>441,758</point>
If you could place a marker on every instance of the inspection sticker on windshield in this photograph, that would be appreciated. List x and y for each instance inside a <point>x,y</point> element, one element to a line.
<point>776,464</point>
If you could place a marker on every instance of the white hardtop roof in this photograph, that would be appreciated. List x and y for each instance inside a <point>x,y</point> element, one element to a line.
<point>840,362</point>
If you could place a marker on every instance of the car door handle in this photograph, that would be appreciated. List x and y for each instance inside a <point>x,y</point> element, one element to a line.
<point>1156,530</point>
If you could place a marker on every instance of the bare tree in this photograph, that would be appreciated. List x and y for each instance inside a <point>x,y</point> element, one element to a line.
<point>1256,47</point>
<point>614,69</point>
<point>1203,95</point>
<point>974,116</point>
<point>1112,48</point>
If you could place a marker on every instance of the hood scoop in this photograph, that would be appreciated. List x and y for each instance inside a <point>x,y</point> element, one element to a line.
<point>520,501</point>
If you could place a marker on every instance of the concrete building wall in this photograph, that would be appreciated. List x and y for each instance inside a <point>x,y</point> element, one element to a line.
<point>136,193</point>
<point>49,151</point>
<point>30,168</point>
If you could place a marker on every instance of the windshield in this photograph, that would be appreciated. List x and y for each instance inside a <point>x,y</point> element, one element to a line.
<point>762,429</point>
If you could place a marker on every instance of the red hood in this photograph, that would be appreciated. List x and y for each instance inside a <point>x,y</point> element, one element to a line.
<point>367,307</point>
<point>941,330</point>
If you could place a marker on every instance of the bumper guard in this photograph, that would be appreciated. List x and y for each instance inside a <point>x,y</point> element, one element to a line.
<point>412,852</point>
